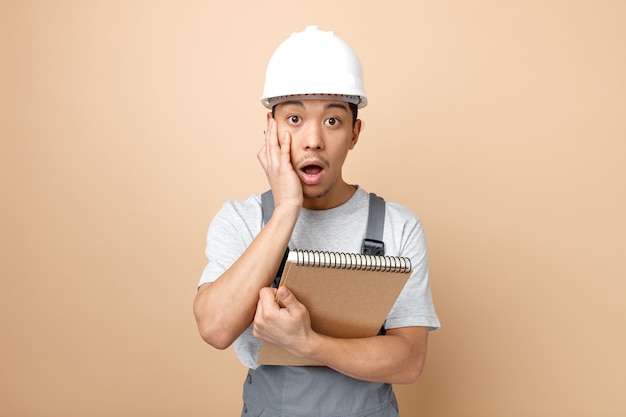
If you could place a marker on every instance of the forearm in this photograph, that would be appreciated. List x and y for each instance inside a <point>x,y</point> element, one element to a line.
<point>397,357</point>
<point>225,308</point>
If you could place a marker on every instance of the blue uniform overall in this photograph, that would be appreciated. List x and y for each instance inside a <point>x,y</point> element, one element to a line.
<point>292,391</point>
<point>288,391</point>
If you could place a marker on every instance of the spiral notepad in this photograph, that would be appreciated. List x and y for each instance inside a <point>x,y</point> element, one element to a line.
<point>348,295</point>
<point>342,260</point>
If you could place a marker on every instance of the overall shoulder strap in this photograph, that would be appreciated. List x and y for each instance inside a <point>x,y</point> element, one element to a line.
<point>373,243</point>
<point>267,205</point>
<point>267,208</point>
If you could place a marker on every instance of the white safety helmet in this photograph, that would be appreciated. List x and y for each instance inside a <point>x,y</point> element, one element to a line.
<point>314,64</point>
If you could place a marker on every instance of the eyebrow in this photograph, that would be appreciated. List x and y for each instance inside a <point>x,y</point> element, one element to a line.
<point>293,102</point>
<point>343,106</point>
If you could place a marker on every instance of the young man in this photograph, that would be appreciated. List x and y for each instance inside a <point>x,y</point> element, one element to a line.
<point>313,88</point>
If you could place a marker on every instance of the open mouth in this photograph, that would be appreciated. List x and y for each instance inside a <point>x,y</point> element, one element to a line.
<point>311,172</point>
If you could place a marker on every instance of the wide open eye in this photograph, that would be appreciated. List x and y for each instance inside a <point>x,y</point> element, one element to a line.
<point>333,121</point>
<point>294,119</point>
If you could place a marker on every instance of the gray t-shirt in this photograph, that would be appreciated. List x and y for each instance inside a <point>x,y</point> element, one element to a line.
<point>340,229</point>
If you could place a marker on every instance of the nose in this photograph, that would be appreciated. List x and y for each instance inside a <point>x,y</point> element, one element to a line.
<point>314,137</point>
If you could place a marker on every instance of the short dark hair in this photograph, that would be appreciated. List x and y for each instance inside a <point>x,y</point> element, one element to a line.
<point>353,107</point>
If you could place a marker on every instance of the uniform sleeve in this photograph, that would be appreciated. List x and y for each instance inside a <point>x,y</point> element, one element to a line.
<point>414,306</point>
<point>230,233</point>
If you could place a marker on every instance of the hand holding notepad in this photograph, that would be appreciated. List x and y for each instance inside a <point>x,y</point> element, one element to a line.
<point>347,295</point>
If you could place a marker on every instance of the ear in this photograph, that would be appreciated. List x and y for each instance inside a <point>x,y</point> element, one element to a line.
<point>356,131</point>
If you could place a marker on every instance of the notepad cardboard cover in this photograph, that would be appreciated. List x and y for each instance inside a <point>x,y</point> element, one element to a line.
<point>342,303</point>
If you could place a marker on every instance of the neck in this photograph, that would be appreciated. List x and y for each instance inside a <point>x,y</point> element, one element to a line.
<point>332,198</point>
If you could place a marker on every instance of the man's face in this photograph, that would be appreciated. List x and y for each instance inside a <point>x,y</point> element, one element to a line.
<point>322,133</point>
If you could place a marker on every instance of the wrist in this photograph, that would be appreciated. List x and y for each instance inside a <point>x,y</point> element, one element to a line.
<point>312,347</point>
<point>287,212</point>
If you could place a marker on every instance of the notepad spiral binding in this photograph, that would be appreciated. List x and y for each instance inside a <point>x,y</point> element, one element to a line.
<point>341,260</point>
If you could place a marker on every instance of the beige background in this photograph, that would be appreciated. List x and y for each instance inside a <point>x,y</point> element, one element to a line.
<point>126,125</point>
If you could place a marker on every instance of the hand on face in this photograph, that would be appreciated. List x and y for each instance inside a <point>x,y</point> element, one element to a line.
<point>275,158</point>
